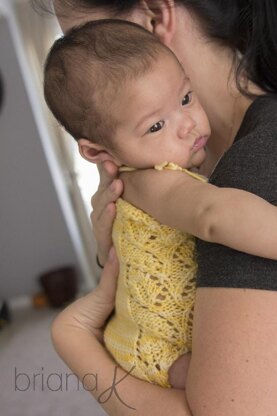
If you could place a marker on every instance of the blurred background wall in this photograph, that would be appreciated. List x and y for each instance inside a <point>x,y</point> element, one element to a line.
<point>44,223</point>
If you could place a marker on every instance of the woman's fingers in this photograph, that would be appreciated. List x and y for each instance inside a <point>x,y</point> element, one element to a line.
<point>95,308</point>
<point>108,172</point>
<point>91,312</point>
<point>102,226</point>
<point>103,204</point>
<point>104,196</point>
<point>108,281</point>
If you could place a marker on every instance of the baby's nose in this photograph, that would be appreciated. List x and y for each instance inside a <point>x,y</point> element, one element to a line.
<point>187,124</point>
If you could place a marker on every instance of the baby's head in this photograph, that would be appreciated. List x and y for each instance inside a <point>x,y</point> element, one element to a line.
<point>124,97</point>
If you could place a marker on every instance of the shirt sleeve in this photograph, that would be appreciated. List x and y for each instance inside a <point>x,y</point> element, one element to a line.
<point>249,165</point>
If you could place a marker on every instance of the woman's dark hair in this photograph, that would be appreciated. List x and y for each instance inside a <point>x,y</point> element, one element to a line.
<point>246,26</point>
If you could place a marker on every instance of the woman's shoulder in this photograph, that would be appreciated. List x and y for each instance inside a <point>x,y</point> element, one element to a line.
<point>250,163</point>
<point>260,119</point>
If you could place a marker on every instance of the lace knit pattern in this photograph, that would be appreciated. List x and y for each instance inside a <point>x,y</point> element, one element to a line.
<point>152,324</point>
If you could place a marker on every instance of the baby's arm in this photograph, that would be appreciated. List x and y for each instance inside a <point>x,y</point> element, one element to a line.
<point>227,216</point>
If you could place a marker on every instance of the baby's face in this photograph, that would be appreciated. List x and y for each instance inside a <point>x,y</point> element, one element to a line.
<point>160,119</point>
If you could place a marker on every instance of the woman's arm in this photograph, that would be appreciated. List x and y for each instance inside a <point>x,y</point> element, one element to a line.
<point>233,370</point>
<point>231,217</point>
<point>77,336</point>
<point>119,393</point>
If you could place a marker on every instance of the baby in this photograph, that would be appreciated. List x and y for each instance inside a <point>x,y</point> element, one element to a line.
<point>125,97</point>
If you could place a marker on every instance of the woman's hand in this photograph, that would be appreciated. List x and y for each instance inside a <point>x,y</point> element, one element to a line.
<point>103,204</point>
<point>89,314</point>
<point>77,334</point>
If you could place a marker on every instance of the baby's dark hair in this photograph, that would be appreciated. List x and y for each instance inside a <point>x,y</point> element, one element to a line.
<point>87,67</point>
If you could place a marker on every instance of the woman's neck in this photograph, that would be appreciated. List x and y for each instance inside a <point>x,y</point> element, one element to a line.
<point>225,120</point>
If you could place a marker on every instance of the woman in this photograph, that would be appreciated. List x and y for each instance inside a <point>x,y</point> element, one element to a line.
<point>225,47</point>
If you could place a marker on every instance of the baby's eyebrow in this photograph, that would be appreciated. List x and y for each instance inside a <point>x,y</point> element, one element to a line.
<point>185,81</point>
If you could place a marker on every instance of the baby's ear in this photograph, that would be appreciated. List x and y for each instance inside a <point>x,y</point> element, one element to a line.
<point>93,152</point>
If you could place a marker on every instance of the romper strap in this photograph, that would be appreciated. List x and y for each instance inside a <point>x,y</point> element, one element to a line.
<point>168,166</point>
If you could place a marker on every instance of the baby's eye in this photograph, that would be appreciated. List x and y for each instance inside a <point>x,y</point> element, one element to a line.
<point>187,98</point>
<point>156,127</point>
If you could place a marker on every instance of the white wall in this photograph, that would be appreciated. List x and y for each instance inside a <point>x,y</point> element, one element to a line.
<point>34,236</point>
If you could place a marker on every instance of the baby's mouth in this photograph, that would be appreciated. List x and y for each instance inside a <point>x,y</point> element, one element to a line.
<point>199,143</point>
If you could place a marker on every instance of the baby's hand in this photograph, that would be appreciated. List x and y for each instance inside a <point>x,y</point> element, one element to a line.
<point>178,371</point>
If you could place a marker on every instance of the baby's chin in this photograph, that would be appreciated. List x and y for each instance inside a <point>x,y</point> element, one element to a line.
<point>194,166</point>
<point>199,159</point>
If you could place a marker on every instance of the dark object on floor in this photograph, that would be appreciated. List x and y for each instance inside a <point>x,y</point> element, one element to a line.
<point>60,286</point>
<point>5,314</point>
<point>40,300</point>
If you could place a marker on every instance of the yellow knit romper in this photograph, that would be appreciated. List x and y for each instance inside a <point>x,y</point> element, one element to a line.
<point>152,323</point>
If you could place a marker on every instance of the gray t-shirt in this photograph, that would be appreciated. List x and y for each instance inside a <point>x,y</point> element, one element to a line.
<point>250,164</point>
